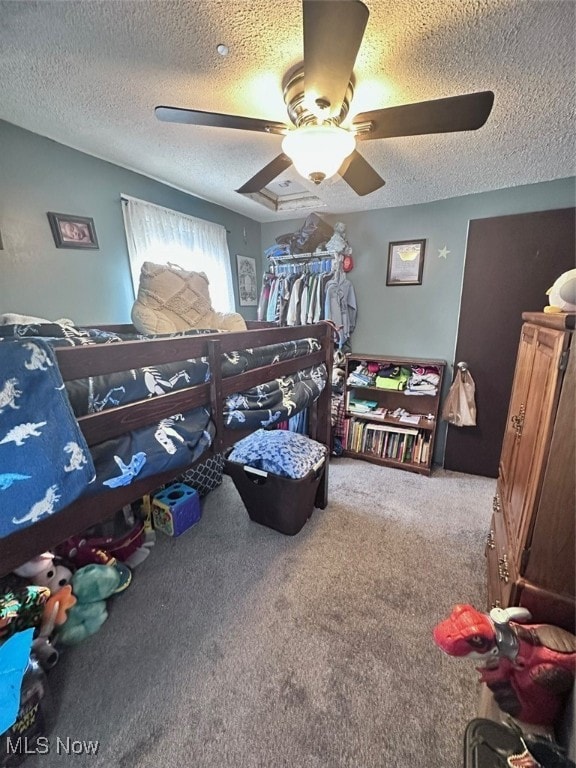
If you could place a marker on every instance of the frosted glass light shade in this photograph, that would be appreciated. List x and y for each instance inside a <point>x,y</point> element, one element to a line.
<point>318,151</point>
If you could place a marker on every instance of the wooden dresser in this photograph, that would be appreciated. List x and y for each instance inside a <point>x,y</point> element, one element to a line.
<point>531,542</point>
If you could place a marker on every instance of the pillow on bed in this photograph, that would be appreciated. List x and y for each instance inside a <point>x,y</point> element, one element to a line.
<point>12,318</point>
<point>170,300</point>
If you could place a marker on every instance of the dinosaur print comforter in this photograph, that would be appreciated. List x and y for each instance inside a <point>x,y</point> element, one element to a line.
<point>45,463</point>
<point>174,442</point>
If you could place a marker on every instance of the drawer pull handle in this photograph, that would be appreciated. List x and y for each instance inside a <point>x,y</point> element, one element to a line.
<point>503,571</point>
<point>496,503</point>
<point>490,539</point>
<point>518,421</point>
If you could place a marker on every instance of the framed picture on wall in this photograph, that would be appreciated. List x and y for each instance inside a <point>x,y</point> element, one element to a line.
<point>72,231</point>
<point>247,282</point>
<point>405,262</point>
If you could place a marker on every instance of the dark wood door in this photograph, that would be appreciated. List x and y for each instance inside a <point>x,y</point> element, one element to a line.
<point>510,263</point>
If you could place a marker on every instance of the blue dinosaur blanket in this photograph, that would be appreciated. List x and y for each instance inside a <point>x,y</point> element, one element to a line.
<point>45,463</point>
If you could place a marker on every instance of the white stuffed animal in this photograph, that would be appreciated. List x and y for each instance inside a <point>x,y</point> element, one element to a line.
<point>562,295</point>
<point>44,572</point>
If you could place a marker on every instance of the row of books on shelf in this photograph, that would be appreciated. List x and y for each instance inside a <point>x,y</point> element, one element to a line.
<point>387,442</point>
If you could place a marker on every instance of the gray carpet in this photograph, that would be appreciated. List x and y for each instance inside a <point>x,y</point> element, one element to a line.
<point>238,647</point>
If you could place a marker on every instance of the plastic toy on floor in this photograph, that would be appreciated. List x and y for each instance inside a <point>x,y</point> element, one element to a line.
<point>130,549</point>
<point>528,667</point>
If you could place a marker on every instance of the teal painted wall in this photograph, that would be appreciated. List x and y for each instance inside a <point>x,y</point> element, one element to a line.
<point>422,320</point>
<point>91,286</point>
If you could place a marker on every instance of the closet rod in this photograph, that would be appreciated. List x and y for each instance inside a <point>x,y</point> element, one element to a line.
<point>305,256</point>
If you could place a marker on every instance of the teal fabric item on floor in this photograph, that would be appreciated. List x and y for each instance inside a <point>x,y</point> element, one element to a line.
<point>14,655</point>
<point>280,451</point>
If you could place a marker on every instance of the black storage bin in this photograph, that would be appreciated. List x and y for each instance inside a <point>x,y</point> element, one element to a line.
<point>278,502</point>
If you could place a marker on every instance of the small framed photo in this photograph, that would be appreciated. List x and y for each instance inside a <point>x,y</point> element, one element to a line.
<point>405,262</point>
<point>247,282</point>
<point>72,231</point>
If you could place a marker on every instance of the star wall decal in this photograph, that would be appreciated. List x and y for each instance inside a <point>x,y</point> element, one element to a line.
<point>443,253</point>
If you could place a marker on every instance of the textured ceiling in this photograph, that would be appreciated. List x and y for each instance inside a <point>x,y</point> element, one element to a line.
<point>88,74</point>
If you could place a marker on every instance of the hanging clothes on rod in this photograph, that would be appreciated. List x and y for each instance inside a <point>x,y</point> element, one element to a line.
<point>304,289</point>
<point>290,293</point>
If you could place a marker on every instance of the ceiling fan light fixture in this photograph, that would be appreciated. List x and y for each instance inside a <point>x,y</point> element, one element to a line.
<point>318,151</point>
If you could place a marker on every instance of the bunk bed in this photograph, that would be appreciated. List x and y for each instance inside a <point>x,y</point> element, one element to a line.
<point>227,374</point>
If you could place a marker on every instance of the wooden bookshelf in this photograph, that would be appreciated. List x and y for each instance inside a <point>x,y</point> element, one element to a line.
<point>394,427</point>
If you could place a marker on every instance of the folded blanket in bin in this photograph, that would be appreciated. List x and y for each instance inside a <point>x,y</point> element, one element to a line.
<point>279,451</point>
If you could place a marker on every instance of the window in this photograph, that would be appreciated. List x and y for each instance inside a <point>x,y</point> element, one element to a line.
<point>160,235</point>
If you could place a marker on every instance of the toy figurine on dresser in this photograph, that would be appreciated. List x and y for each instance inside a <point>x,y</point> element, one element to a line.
<point>529,668</point>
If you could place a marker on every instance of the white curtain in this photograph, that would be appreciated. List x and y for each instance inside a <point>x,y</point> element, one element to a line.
<point>160,235</point>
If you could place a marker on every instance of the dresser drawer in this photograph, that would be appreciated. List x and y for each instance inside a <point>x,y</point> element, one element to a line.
<point>501,570</point>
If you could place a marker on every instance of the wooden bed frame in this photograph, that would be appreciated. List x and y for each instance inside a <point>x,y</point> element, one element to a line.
<point>91,360</point>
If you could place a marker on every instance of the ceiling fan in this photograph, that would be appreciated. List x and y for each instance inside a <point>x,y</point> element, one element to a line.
<point>318,96</point>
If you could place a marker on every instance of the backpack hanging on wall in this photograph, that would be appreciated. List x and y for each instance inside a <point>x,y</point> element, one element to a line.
<point>459,407</point>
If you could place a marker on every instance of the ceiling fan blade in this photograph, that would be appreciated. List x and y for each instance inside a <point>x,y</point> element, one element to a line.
<point>266,175</point>
<point>333,31</point>
<point>217,120</point>
<point>359,174</point>
<point>456,113</point>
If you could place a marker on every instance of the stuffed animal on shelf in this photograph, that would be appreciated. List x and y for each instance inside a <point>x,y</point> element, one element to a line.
<point>338,242</point>
<point>562,295</point>
<point>528,667</point>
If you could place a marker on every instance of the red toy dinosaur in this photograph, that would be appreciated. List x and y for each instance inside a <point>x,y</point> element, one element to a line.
<point>529,667</point>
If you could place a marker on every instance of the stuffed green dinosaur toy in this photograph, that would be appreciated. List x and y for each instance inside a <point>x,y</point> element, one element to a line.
<point>92,585</point>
